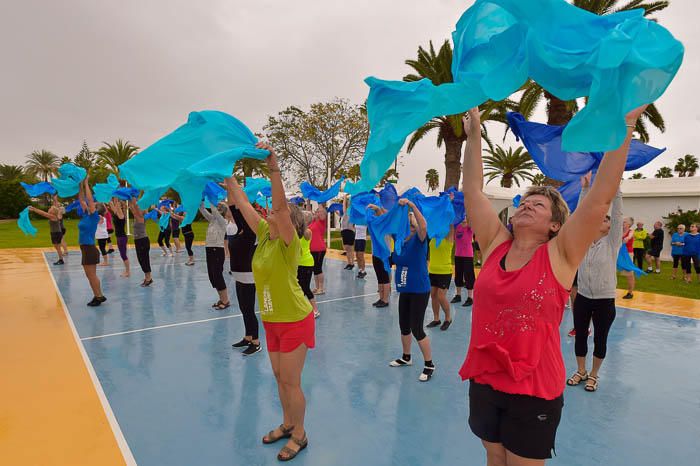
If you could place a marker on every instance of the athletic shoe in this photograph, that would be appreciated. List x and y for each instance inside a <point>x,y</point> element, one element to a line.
<point>382,304</point>
<point>189,263</point>
<point>147,283</point>
<point>164,254</point>
<point>349,267</point>
<point>361,274</point>
<point>445,325</point>
<point>110,251</point>
<point>628,296</point>
<point>59,262</point>
<point>400,362</point>
<point>101,299</point>
<point>468,302</point>
<point>649,269</point>
<point>241,344</point>
<point>252,349</point>
<point>426,374</point>
<point>376,302</point>
<point>344,253</point>
<point>317,314</point>
<point>572,332</point>
<point>658,271</point>
<point>434,323</point>
<point>95,302</point>
<point>456,299</point>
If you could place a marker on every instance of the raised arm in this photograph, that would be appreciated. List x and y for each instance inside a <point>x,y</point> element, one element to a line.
<point>484,220</point>
<point>279,199</point>
<point>48,215</point>
<point>89,200</point>
<point>576,235</point>
<point>116,208</point>
<point>237,197</point>
<point>217,217</point>
<point>177,217</point>
<point>207,215</point>
<point>421,224</point>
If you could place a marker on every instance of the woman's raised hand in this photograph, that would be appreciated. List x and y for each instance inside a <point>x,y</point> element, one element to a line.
<point>472,122</point>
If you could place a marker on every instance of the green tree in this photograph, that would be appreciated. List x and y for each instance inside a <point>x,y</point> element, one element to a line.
<point>638,176</point>
<point>538,179</point>
<point>245,168</point>
<point>437,67</point>
<point>85,158</point>
<point>11,172</point>
<point>391,176</point>
<point>14,199</point>
<point>511,165</point>
<point>432,179</point>
<point>110,156</point>
<point>686,166</point>
<point>664,172</point>
<point>65,159</point>
<point>42,164</point>
<point>329,137</point>
<point>686,217</point>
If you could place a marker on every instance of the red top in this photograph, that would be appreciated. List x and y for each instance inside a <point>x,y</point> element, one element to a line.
<point>318,235</point>
<point>514,345</point>
<point>108,219</point>
<point>629,243</point>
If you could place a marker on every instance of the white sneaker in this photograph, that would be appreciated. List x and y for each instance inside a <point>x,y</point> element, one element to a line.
<point>423,377</point>
<point>400,362</point>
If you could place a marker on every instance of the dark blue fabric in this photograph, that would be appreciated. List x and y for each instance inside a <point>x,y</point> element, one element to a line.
<point>126,194</point>
<point>692,245</point>
<point>36,190</point>
<point>75,205</point>
<point>457,204</point>
<point>214,193</point>
<point>165,203</point>
<point>435,209</point>
<point>87,226</point>
<point>309,191</point>
<point>388,196</point>
<point>393,223</point>
<point>297,200</point>
<point>544,143</point>
<point>358,207</point>
<point>336,207</point>
<point>411,267</point>
<point>516,201</point>
<point>152,215</point>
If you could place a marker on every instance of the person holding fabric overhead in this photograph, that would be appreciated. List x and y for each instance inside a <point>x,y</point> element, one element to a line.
<point>514,362</point>
<point>175,229</point>
<point>286,313</point>
<point>691,252</point>
<point>413,284</point>
<point>54,216</point>
<point>142,243</point>
<point>87,226</point>
<point>464,263</point>
<point>640,236</point>
<point>214,248</point>
<point>188,234</point>
<point>318,247</point>
<point>119,222</point>
<point>164,234</point>
<point>595,299</point>
<point>347,233</point>
<point>243,243</point>
<point>440,269</point>
<point>383,275</point>
<point>677,248</point>
<point>306,261</point>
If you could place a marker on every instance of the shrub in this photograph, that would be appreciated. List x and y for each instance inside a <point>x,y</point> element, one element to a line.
<point>13,199</point>
<point>685,217</point>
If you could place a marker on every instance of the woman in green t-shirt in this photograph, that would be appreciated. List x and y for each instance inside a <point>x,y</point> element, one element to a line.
<point>286,313</point>
<point>440,270</point>
<point>306,261</point>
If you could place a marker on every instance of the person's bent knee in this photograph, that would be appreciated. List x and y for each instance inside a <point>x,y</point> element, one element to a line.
<point>418,334</point>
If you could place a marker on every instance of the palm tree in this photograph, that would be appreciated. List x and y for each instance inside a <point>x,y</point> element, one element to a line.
<point>65,159</point>
<point>511,166</point>
<point>110,156</point>
<point>11,172</point>
<point>686,166</point>
<point>664,172</point>
<point>538,179</point>
<point>250,167</point>
<point>432,178</point>
<point>638,176</point>
<point>437,67</point>
<point>391,176</point>
<point>42,164</point>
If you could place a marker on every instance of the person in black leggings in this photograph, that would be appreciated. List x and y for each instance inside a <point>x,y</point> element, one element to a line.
<point>175,229</point>
<point>119,222</point>
<point>142,243</point>
<point>243,247</point>
<point>188,235</point>
<point>164,235</point>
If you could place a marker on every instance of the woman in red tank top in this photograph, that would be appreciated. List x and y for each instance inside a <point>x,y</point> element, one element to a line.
<point>514,361</point>
<point>628,240</point>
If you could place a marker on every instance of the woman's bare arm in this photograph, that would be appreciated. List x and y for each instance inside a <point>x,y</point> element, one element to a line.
<point>421,224</point>
<point>279,199</point>
<point>240,200</point>
<point>48,215</point>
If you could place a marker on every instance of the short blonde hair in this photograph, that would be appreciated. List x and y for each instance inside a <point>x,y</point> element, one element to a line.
<point>560,210</point>
<point>297,217</point>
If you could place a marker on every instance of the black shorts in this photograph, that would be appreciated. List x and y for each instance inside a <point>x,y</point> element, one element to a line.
<point>56,237</point>
<point>441,281</point>
<point>525,425</point>
<point>476,246</point>
<point>348,237</point>
<point>676,260</point>
<point>382,274</point>
<point>654,252</point>
<point>176,233</point>
<point>90,254</point>
<point>360,245</point>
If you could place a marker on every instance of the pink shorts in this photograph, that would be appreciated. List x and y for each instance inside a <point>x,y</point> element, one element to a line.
<point>285,337</point>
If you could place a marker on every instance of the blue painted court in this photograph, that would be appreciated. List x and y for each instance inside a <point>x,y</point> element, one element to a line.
<point>183,396</point>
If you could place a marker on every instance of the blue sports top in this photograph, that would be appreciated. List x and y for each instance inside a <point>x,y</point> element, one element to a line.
<point>87,226</point>
<point>677,238</point>
<point>692,244</point>
<point>412,267</point>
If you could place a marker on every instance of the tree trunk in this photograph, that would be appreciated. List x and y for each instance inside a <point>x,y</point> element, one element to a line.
<point>453,160</point>
<point>558,114</point>
<point>507,181</point>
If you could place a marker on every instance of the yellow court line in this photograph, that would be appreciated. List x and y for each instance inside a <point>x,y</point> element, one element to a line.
<point>51,412</point>
<point>643,301</point>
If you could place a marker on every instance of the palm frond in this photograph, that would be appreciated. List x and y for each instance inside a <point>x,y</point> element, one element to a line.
<point>421,132</point>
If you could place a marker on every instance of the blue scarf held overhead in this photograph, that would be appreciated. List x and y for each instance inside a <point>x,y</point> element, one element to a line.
<point>255,187</point>
<point>214,193</point>
<point>202,150</point>
<point>75,205</point>
<point>164,222</point>
<point>104,192</point>
<point>310,192</point>
<point>437,211</point>
<point>358,207</point>
<point>336,207</point>
<point>38,189</point>
<point>69,178</point>
<point>394,223</point>
<point>619,61</point>
<point>151,215</point>
<point>25,224</point>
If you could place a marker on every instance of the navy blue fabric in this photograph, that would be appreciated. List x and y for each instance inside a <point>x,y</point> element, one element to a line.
<point>411,267</point>
<point>309,191</point>
<point>36,190</point>
<point>336,207</point>
<point>87,226</point>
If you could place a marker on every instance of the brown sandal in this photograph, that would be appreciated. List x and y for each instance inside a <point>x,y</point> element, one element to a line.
<point>286,433</point>
<point>291,454</point>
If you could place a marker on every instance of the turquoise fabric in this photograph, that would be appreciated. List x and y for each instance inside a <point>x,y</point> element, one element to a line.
<point>25,224</point>
<point>104,192</point>
<point>164,222</point>
<point>152,215</point>
<point>254,187</point>
<point>36,190</point>
<point>69,178</point>
<point>619,61</point>
<point>202,150</point>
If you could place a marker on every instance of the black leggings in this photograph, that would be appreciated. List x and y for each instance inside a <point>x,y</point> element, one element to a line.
<point>602,312</point>
<point>677,258</point>
<point>231,252</point>
<point>304,274</point>
<point>164,236</point>
<point>686,260</point>
<point>464,272</point>
<point>639,255</point>
<point>189,239</point>
<point>318,261</point>
<point>245,292</point>
<point>143,248</point>
<point>102,243</point>
<point>412,308</point>
<point>215,267</point>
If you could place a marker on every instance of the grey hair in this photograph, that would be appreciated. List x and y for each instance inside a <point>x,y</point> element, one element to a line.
<point>297,217</point>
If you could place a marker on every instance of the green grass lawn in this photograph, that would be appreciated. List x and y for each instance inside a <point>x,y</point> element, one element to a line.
<point>12,237</point>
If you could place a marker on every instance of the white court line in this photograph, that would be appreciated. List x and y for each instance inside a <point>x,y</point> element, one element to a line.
<point>180,324</point>
<point>111,418</point>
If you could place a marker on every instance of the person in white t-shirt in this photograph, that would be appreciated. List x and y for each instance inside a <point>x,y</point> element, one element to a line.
<point>360,246</point>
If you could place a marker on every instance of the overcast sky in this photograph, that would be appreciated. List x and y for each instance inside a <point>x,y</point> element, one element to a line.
<point>134,69</point>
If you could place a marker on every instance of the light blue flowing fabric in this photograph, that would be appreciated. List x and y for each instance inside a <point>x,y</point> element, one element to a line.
<point>164,221</point>
<point>202,150</point>
<point>25,224</point>
<point>179,209</point>
<point>619,61</point>
<point>151,215</point>
<point>388,196</point>
<point>38,189</point>
<point>264,202</point>
<point>69,178</point>
<point>165,203</point>
<point>214,193</point>
<point>336,207</point>
<point>254,187</point>
<point>75,205</point>
<point>544,143</point>
<point>104,192</point>
<point>625,263</point>
<point>309,191</point>
<point>358,207</point>
<point>394,223</point>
